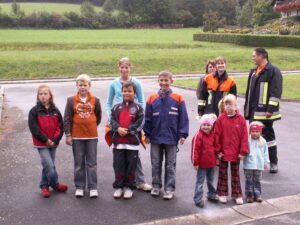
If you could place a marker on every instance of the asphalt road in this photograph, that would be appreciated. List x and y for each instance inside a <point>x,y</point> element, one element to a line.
<point>20,202</point>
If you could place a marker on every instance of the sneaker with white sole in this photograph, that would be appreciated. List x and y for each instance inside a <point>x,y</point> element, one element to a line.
<point>239,201</point>
<point>118,193</point>
<point>93,194</point>
<point>155,192</point>
<point>144,187</point>
<point>79,193</point>
<point>223,199</point>
<point>168,195</point>
<point>128,193</point>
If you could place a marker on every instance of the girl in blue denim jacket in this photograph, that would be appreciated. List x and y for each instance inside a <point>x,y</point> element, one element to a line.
<point>255,162</point>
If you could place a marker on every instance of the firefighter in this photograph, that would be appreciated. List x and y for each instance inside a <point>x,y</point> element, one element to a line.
<point>214,87</point>
<point>263,96</point>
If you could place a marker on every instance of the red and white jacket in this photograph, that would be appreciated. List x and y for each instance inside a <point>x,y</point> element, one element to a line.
<point>231,136</point>
<point>204,150</point>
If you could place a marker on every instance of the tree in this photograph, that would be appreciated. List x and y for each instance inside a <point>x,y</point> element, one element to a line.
<point>244,15</point>
<point>108,6</point>
<point>89,15</point>
<point>262,11</point>
<point>16,10</point>
<point>212,21</point>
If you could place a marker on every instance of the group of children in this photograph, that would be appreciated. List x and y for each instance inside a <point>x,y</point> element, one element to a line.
<point>162,122</point>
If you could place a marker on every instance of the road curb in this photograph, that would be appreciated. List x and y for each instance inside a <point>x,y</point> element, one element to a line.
<point>1,103</point>
<point>242,96</point>
<point>141,77</point>
<point>237,214</point>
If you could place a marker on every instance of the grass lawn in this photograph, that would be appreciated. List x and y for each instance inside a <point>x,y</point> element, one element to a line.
<point>59,8</point>
<point>65,53</point>
<point>291,85</point>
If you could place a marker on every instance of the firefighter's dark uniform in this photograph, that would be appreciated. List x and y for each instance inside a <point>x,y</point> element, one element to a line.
<point>211,89</point>
<point>263,95</point>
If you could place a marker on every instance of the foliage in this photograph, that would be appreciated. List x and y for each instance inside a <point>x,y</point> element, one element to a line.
<point>212,21</point>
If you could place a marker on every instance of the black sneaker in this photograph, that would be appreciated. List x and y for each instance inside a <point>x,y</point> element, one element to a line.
<point>200,204</point>
<point>213,198</point>
<point>273,168</point>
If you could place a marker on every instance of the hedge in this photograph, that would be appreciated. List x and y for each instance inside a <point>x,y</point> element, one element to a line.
<point>251,39</point>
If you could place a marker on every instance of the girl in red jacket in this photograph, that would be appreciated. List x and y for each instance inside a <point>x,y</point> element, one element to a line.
<point>46,126</point>
<point>232,146</point>
<point>204,160</point>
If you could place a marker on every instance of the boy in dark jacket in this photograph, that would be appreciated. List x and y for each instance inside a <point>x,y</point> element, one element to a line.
<point>166,124</point>
<point>204,160</point>
<point>232,146</point>
<point>127,120</point>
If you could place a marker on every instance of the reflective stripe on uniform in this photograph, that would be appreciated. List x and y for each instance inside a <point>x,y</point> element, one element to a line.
<point>271,143</point>
<point>274,101</point>
<point>202,103</point>
<point>266,86</point>
<point>209,97</point>
<point>262,116</point>
<point>263,93</point>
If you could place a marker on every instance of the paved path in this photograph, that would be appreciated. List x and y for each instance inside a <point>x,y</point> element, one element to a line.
<point>20,169</point>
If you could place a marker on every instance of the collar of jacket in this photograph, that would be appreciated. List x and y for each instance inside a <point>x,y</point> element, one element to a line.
<point>166,93</point>
<point>88,97</point>
<point>238,114</point>
<point>269,66</point>
<point>127,103</point>
<point>41,107</point>
<point>224,76</point>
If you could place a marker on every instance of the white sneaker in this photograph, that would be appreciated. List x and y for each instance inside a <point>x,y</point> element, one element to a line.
<point>223,199</point>
<point>79,193</point>
<point>93,193</point>
<point>145,187</point>
<point>155,192</point>
<point>239,201</point>
<point>168,195</point>
<point>118,193</point>
<point>128,193</point>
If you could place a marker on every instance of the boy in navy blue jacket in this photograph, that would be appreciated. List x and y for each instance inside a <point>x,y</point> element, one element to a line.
<point>166,125</point>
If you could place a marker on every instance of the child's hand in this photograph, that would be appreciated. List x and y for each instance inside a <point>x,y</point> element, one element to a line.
<point>147,141</point>
<point>266,167</point>
<point>69,140</point>
<point>220,155</point>
<point>181,141</point>
<point>122,131</point>
<point>49,143</point>
<point>196,167</point>
<point>241,157</point>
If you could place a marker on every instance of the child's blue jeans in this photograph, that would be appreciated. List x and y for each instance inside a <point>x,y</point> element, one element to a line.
<point>158,151</point>
<point>201,174</point>
<point>49,174</point>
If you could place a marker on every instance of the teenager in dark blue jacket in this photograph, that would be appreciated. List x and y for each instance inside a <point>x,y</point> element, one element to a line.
<point>166,125</point>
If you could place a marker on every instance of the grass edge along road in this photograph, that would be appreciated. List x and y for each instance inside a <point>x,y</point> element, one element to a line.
<point>29,54</point>
<point>291,85</point>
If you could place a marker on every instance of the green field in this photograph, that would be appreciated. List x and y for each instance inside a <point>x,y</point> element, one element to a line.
<point>59,8</point>
<point>65,53</point>
<point>291,85</point>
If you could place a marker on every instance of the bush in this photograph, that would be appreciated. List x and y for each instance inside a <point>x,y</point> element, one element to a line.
<point>250,40</point>
<point>212,21</point>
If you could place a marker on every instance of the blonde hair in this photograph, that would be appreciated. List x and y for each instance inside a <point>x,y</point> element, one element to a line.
<point>84,77</point>
<point>125,60</point>
<point>220,59</point>
<point>45,86</point>
<point>165,73</point>
<point>221,106</point>
<point>230,98</point>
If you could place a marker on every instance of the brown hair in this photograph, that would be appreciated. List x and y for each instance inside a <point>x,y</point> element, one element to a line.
<point>166,73</point>
<point>128,84</point>
<point>44,86</point>
<point>263,52</point>
<point>220,59</point>
<point>210,62</point>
